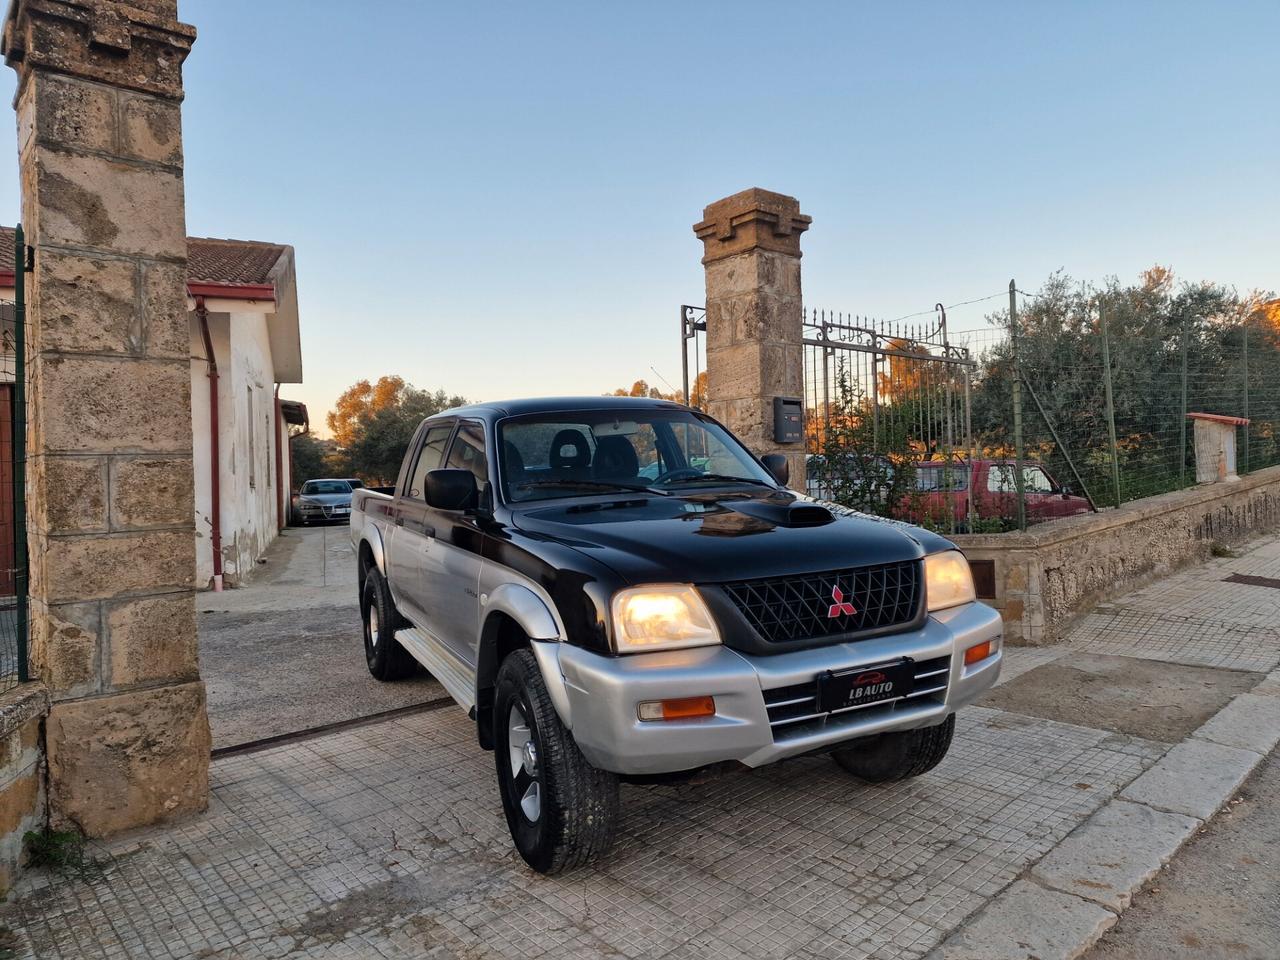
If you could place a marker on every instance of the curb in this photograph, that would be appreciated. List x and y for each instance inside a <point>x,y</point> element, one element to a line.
<point>1062,904</point>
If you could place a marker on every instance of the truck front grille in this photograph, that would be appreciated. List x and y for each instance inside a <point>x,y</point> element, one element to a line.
<point>793,710</point>
<point>818,605</point>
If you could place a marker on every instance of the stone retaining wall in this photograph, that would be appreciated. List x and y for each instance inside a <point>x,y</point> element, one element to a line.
<point>1047,576</point>
<point>22,794</point>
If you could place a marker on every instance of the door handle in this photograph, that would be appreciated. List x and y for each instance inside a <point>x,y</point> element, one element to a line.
<point>428,531</point>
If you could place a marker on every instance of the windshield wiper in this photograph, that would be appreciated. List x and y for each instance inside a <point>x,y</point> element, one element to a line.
<point>721,478</point>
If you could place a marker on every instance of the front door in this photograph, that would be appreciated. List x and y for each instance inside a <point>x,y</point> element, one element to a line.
<point>412,533</point>
<point>452,573</point>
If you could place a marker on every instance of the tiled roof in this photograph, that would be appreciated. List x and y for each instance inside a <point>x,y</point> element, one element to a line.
<point>230,261</point>
<point>208,260</point>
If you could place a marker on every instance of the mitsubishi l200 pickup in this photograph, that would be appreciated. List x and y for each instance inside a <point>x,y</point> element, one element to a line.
<point>616,588</point>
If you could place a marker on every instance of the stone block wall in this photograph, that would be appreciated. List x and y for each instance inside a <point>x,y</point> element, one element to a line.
<point>1054,572</point>
<point>109,466</point>
<point>22,793</point>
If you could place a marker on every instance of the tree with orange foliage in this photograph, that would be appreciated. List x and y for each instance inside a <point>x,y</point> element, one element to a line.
<point>373,424</point>
<point>358,403</point>
<point>641,388</point>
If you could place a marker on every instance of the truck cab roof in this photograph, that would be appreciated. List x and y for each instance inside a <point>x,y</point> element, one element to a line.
<point>497,409</point>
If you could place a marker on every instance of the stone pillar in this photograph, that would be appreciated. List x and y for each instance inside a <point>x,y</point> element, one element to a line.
<point>109,433</point>
<point>751,245</point>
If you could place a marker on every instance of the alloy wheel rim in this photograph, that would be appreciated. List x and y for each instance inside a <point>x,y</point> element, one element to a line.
<point>522,751</point>
<point>373,627</point>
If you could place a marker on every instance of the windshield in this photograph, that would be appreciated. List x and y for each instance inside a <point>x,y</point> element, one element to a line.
<point>325,486</point>
<point>596,451</point>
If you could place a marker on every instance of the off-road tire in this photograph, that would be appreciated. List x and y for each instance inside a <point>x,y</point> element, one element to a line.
<point>579,804</point>
<point>897,756</point>
<point>386,658</point>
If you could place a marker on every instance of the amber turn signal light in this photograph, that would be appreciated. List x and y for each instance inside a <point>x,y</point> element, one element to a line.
<point>686,708</point>
<point>979,652</point>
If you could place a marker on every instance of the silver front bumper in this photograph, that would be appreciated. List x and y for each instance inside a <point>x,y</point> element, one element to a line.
<point>757,720</point>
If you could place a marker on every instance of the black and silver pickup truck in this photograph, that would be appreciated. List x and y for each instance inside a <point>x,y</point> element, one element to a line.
<point>616,588</point>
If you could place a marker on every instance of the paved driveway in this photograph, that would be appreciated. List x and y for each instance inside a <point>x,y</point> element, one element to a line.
<point>387,840</point>
<point>285,653</point>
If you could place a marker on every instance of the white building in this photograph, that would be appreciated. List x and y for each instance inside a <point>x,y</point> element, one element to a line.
<point>243,303</point>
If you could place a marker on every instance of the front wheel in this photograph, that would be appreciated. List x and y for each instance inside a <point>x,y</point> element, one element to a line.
<point>562,812</point>
<point>897,756</point>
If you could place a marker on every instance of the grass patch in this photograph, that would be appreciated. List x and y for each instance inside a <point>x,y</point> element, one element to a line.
<point>1221,550</point>
<point>61,851</point>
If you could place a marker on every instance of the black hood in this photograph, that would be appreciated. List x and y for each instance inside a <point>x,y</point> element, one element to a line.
<point>703,538</point>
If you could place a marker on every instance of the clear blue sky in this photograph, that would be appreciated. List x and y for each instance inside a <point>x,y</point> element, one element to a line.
<point>495,198</point>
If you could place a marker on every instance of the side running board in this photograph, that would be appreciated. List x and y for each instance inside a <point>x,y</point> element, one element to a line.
<point>454,675</point>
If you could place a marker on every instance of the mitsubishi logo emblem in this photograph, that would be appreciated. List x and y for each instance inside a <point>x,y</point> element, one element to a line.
<point>841,607</point>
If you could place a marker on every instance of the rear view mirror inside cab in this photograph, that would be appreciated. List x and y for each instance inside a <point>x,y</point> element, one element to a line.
<point>619,428</point>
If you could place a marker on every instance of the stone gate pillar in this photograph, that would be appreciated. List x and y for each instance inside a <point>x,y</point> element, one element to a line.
<point>751,245</point>
<point>109,431</point>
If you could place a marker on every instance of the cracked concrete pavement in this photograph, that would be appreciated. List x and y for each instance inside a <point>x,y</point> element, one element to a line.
<point>284,653</point>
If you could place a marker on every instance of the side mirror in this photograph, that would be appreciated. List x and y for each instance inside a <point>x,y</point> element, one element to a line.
<point>1066,491</point>
<point>778,467</point>
<point>451,489</point>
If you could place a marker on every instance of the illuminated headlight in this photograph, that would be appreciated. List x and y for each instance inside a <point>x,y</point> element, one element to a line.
<point>948,582</point>
<point>661,617</point>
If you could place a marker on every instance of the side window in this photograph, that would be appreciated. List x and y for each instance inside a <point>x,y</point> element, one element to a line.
<point>935,479</point>
<point>429,458</point>
<point>467,452</point>
<point>1035,480</point>
<point>1000,478</point>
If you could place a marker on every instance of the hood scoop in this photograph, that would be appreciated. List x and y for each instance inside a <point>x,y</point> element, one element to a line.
<point>784,513</point>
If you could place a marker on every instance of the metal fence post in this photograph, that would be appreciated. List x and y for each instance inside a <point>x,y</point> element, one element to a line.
<point>1182,422</point>
<point>684,354</point>
<point>1244,356</point>
<point>1018,482</point>
<point>1111,409</point>
<point>968,454</point>
<point>20,446</point>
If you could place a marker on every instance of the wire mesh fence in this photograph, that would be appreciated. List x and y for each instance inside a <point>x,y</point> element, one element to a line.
<point>1107,392</point>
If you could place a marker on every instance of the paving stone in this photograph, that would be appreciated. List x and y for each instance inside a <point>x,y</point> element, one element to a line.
<point>1028,922</point>
<point>1114,852</point>
<point>1270,687</point>
<point>1194,778</point>
<point>1250,721</point>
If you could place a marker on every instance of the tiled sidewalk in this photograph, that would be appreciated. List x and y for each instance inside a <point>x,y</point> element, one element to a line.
<point>1195,616</point>
<point>388,840</point>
